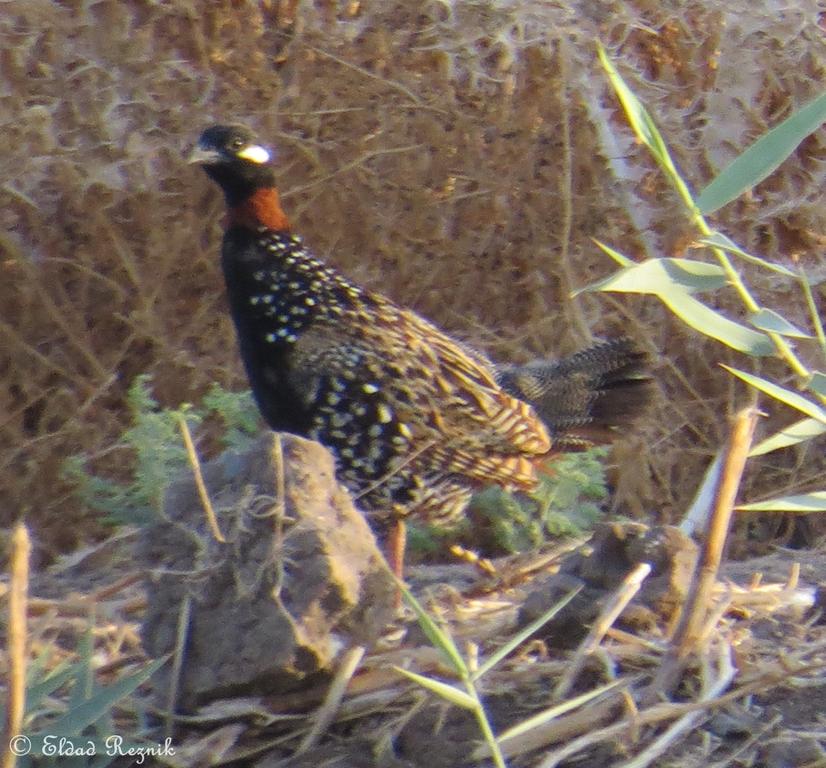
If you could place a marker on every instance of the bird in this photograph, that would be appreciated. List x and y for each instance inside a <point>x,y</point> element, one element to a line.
<point>416,420</point>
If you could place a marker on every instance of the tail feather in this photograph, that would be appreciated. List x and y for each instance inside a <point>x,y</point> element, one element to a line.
<point>584,398</point>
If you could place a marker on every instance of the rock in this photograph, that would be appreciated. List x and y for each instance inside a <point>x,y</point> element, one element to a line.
<point>795,751</point>
<point>272,608</point>
<point>615,549</point>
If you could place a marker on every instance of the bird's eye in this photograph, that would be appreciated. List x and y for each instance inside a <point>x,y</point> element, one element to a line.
<point>236,143</point>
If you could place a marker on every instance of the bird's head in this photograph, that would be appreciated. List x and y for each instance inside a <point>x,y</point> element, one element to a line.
<point>233,157</point>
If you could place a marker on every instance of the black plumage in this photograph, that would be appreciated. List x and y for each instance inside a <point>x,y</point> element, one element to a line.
<point>416,420</point>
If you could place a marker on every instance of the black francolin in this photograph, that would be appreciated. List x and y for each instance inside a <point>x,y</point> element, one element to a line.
<point>415,419</point>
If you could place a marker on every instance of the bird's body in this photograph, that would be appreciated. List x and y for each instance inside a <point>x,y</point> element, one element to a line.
<point>415,419</point>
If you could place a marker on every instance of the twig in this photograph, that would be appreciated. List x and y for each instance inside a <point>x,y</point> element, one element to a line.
<point>726,673</point>
<point>58,314</point>
<point>360,160</point>
<point>18,597</point>
<point>394,470</point>
<point>621,597</point>
<point>327,711</point>
<point>752,739</point>
<point>181,638</point>
<point>692,619</point>
<point>367,73</point>
<point>651,716</point>
<point>566,190</point>
<point>104,593</point>
<point>30,351</point>
<point>277,456</point>
<point>212,520</point>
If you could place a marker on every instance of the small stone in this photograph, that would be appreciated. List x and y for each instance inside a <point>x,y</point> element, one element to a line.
<point>612,553</point>
<point>792,752</point>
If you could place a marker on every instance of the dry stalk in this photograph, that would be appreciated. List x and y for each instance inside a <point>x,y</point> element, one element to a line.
<point>566,185</point>
<point>768,597</point>
<point>743,748</point>
<point>672,734</point>
<point>560,729</point>
<point>367,73</point>
<point>651,716</point>
<point>203,494</point>
<point>621,597</point>
<point>692,620</point>
<point>277,456</point>
<point>177,664</point>
<point>18,597</point>
<point>327,711</point>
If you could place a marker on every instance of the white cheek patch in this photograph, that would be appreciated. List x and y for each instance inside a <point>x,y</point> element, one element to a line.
<point>255,154</point>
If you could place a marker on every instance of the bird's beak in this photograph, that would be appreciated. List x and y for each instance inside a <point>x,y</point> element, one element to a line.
<point>200,156</point>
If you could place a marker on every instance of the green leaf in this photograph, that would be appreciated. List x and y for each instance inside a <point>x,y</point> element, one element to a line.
<point>448,692</point>
<point>638,116</point>
<point>658,275</point>
<point>438,637</point>
<point>84,673</point>
<point>806,502</point>
<point>719,240</point>
<point>84,714</point>
<point>704,319</point>
<point>768,320</point>
<point>763,157</point>
<point>782,394</point>
<point>818,383</point>
<point>46,687</point>
<point>620,258</point>
<point>672,280</point>
<point>696,518</point>
<point>799,432</point>
<point>520,637</point>
<point>814,314</point>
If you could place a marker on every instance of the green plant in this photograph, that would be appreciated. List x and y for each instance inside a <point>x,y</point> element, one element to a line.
<point>676,282</point>
<point>238,413</point>
<point>159,454</point>
<point>566,502</point>
<point>81,716</point>
<point>468,694</point>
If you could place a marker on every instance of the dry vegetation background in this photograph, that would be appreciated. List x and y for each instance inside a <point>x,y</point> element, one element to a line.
<point>458,156</point>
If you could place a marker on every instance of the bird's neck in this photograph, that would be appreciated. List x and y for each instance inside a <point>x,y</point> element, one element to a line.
<point>261,208</point>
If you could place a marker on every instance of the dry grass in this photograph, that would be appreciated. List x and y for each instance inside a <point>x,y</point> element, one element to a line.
<point>714,685</point>
<point>741,676</point>
<point>456,155</point>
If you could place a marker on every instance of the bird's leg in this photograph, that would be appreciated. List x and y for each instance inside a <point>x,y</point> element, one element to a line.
<point>396,544</point>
